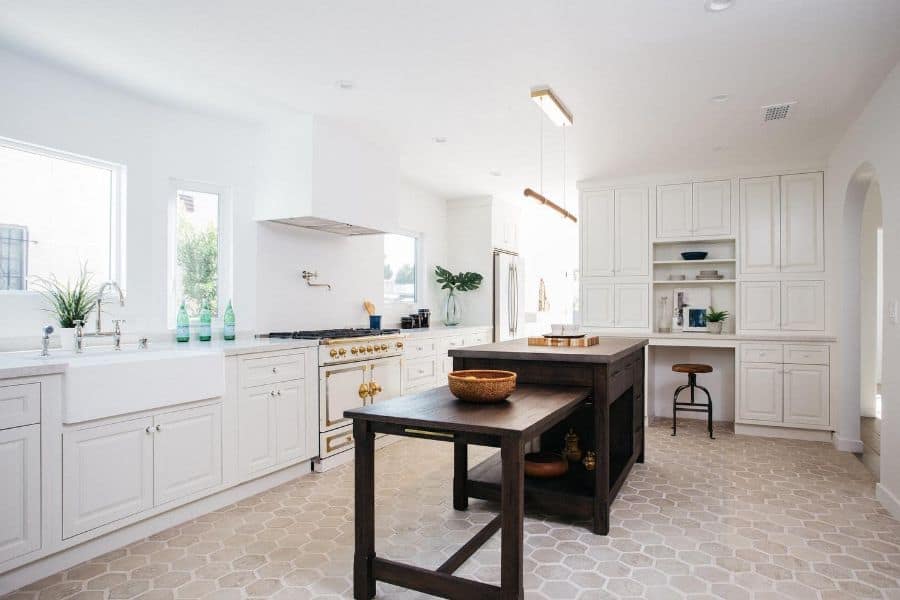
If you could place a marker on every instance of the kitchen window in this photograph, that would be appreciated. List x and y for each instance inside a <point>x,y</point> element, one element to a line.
<point>401,274</point>
<point>199,256</point>
<point>58,213</point>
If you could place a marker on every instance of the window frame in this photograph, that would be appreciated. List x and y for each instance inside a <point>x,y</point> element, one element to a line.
<point>420,276</point>
<point>117,206</point>
<point>224,285</point>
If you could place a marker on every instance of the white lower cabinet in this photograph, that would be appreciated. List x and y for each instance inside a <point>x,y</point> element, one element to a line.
<point>806,394</point>
<point>187,453</point>
<point>256,430</point>
<point>761,392</point>
<point>291,421</point>
<point>107,474</point>
<point>426,362</point>
<point>20,491</point>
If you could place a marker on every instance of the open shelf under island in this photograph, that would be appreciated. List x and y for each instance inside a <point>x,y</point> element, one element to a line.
<point>610,422</point>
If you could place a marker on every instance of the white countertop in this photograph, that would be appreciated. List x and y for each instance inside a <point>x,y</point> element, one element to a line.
<point>711,338</point>
<point>442,330</point>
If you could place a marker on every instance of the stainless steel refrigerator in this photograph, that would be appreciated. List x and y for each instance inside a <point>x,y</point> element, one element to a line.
<point>508,286</point>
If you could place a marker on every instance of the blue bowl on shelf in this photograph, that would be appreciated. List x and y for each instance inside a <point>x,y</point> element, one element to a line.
<point>694,255</point>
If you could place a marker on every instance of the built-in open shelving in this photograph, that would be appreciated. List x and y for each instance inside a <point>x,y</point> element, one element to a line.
<point>705,261</point>
<point>693,281</point>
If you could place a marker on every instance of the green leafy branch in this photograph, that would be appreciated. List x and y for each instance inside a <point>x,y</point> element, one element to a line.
<point>715,316</point>
<point>461,282</point>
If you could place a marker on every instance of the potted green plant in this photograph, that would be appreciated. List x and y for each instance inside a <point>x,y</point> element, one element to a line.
<point>715,320</point>
<point>69,302</point>
<point>460,282</point>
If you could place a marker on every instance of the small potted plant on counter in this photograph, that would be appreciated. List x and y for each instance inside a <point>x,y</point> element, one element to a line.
<point>715,320</point>
<point>70,302</point>
<point>461,282</point>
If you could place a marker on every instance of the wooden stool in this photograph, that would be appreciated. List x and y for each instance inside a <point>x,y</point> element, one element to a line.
<point>692,370</point>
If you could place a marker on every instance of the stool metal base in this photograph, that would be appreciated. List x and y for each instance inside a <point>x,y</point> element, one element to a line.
<point>692,406</point>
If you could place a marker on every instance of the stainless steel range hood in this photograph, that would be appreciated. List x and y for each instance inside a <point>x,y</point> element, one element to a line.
<point>328,226</point>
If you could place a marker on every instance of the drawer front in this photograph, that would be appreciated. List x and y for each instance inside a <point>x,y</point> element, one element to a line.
<point>271,369</point>
<point>449,343</point>
<point>332,442</point>
<point>762,353</point>
<point>419,372</point>
<point>418,348</point>
<point>477,338</point>
<point>20,405</point>
<point>806,355</point>
<point>621,381</point>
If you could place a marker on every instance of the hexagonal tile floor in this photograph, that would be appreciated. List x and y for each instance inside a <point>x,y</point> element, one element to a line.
<point>739,517</point>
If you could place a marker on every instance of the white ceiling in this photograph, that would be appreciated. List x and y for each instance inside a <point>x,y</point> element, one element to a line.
<point>638,74</point>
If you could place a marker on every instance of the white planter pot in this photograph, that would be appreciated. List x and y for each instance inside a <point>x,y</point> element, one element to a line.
<point>715,327</point>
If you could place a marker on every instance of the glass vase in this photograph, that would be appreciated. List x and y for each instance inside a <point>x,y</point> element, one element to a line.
<point>452,310</point>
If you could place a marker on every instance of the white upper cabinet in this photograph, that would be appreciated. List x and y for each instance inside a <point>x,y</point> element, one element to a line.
<point>674,213</point>
<point>760,305</point>
<point>505,219</point>
<point>802,229</point>
<point>597,241</point>
<point>631,232</point>
<point>711,208</point>
<point>20,493</point>
<point>782,226</point>
<point>760,225</point>
<point>606,304</point>
<point>803,305</point>
<point>806,394</point>
<point>597,304</point>
<point>632,305</point>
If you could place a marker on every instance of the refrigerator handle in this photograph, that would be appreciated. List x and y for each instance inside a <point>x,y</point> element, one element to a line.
<point>515,323</point>
<point>510,291</point>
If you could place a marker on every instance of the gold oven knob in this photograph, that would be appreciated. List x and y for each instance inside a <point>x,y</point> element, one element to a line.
<point>333,353</point>
<point>353,350</point>
<point>369,349</point>
<point>384,346</point>
<point>342,351</point>
<point>400,345</point>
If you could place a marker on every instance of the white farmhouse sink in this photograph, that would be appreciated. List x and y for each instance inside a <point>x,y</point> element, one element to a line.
<point>106,383</point>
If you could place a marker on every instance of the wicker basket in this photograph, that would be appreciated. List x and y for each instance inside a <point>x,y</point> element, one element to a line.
<point>482,386</point>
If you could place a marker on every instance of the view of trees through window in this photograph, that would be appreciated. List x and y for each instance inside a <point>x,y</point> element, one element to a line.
<point>399,268</point>
<point>197,250</point>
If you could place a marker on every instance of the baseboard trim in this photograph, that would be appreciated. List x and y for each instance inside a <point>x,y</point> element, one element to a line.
<point>848,445</point>
<point>790,433</point>
<point>65,559</point>
<point>888,500</point>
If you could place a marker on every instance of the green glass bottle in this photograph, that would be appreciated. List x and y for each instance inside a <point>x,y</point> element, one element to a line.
<point>183,325</point>
<point>228,322</point>
<point>204,332</point>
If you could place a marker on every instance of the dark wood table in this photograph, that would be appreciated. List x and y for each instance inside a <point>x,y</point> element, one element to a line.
<point>610,422</point>
<point>437,415</point>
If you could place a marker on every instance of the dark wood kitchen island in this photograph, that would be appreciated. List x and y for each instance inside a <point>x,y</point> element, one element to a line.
<point>610,422</point>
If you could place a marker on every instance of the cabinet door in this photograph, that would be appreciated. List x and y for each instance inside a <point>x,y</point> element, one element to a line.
<point>760,225</point>
<point>20,493</point>
<point>631,232</point>
<point>597,304</point>
<point>107,474</point>
<point>597,240</point>
<point>256,429</point>
<point>631,305</point>
<point>806,394</point>
<point>802,228</point>
<point>187,452</point>
<point>803,305</point>
<point>292,418</point>
<point>711,208</point>
<point>760,305</point>
<point>761,392</point>
<point>673,211</point>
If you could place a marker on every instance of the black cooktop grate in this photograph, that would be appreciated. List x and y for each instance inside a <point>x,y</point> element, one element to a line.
<point>331,334</point>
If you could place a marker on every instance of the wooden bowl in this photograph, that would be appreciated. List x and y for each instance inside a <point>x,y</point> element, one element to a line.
<point>482,385</point>
<point>545,465</point>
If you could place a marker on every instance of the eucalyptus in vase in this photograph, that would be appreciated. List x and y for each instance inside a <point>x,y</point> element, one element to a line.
<point>461,282</point>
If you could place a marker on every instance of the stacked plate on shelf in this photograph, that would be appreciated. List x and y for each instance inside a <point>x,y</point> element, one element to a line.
<point>710,275</point>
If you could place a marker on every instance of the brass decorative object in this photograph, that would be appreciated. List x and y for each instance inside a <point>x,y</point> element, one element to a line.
<point>590,460</point>
<point>572,452</point>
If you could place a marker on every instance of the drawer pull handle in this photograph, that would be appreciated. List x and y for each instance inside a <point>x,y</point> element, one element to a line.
<point>439,434</point>
<point>275,369</point>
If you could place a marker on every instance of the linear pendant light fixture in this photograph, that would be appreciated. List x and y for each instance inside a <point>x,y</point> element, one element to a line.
<point>557,112</point>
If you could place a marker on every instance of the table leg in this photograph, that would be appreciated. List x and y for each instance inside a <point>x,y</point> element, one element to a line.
<point>512,512</point>
<point>460,475</point>
<point>601,473</point>
<point>364,484</point>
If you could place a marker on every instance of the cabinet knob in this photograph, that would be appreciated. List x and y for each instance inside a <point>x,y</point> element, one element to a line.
<point>149,430</point>
<point>275,369</point>
<point>159,427</point>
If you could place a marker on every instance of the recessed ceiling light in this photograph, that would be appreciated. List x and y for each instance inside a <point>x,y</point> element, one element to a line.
<point>344,84</point>
<point>721,98</point>
<point>496,172</point>
<point>718,5</point>
<point>440,140</point>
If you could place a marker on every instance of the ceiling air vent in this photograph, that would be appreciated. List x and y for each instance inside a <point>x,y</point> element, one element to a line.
<point>776,112</point>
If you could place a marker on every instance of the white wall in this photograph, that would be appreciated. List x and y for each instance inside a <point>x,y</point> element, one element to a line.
<point>870,308</point>
<point>873,138</point>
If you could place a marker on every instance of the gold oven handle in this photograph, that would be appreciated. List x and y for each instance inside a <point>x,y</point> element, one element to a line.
<point>374,389</point>
<point>364,391</point>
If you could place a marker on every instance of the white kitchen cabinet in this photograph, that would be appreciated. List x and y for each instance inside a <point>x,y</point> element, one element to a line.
<point>597,307</point>
<point>597,237</point>
<point>674,211</point>
<point>803,305</point>
<point>505,226</point>
<point>257,422</point>
<point>107,474</point>
<point>760,225</point>
<point>631,305</point>
<point>187,452</point>
<point>761,396</point>
<point>802,229</point>
<point>711,208</point>
<point>20,405</point>
<point>631,232</point>
<point>806,394</point>
<point>760,305</point>
<point>291,406</point>
<point>20,492</point>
